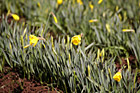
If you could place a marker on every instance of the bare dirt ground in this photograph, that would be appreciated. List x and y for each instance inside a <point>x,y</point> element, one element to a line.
<point>11,82</point>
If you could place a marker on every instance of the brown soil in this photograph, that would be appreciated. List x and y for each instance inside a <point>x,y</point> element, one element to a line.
<point>11,82</point>
<point>132,63</point>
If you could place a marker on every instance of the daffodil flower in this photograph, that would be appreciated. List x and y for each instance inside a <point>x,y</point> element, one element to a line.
<point>117,8</point>
<point>33,40</point>
<point>80,2</point>
<point>15,17</point>
<point>93,20</point>
<point>100,1</point>
<point>128,30</point>
<point>108,27</point>
<point>38,4</point>
<point>76,39</point>
<point>59,2</point>
<point>91,6</point>
<point>88,70</point>
<point>55,19</point>
<point>118,76</point>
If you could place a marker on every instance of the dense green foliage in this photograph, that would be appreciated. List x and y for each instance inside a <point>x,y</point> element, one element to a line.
<point>56,60</point>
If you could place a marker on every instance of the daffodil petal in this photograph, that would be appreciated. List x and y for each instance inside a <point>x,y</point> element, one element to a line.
<point>27,46</point>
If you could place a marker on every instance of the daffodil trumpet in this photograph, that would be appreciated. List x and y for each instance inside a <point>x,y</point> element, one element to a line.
<point>76,40</point>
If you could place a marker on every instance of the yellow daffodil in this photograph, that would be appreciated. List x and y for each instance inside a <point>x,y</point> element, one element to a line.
<point>117,76</point>
<point>117,8</point>
<point>91,6</point>
<point>100,1</point>
<point>92,20</point>
<point>15,17</point>
<point>88,70</point>
<point>55,19</point>
<point>108,27</point>
<point>80,2</point>
<point>76,39</point>
<point>33,40</point>
<point>59,2</point>
<point>38,4</point>
<point>98,54</point>
<point>128,30</point>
